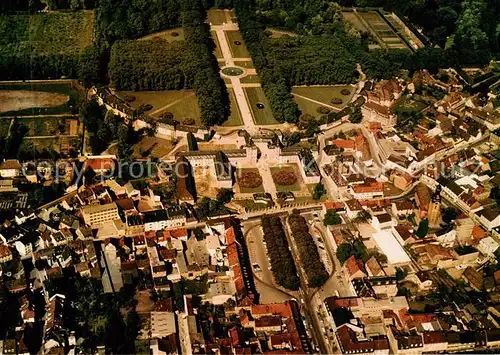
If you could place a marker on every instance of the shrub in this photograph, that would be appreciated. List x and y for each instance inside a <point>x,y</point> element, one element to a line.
<point>174,34</point>
<point>129,98</point>
<point>345,91</point>
<point>250,180</point>
<point>336,101</point>
<point>285,178</point>
<point>189,121</point>
<point>147,107</point>
<point>323,110</point>
<point>167,115</point>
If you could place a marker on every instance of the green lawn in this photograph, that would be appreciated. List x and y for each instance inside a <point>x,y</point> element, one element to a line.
<point>285,188</point>
<point>172,35</point>
<point>238,51</point>
<point>46,33</point>
<point>42,126</point>
<point>325,94</point>
<point>70,89</point>
<point>307,106</point>
<point>250,79</point>
<point>248,64</point>
<point>235,118</point>
<point>158,99</point>
<point>408,105</point>
<point>246,190</point>
<point>261,116</point>
<point>186,108</point>
<point>217,50</point>
<point>216,17</point>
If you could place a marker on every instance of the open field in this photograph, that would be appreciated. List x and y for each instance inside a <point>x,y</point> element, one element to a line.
<point>246,190</point>
<point>18,100</point>
<point>261,116</point>
<point>41,98</point>
<point>172,35</point>
<point>181,103</point>
<point>235,117</point>
<point>237,50</point>
<point>325,94</point>
<point>216,17</point>
<point>283,188</point>
<point>307,106</point>
<point>46,33</point>
<point>50,126</point>
<point>217,50</point>
<point>152,147</point>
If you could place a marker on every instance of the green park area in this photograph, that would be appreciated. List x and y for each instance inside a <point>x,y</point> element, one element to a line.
<point>249,181</point>
<point>237,44</point>
<point>217,50</point>
<point>260,107</point>
<point>235,118</point>
<point>331,95</point>
<point>216,17</point>
<point>409,105</point>
<point>283,176</point>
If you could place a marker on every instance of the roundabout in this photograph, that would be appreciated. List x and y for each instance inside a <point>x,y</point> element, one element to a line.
<point>233,71</point>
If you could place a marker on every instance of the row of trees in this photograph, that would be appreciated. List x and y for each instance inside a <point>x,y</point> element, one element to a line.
<point>308,252</point>
<point>282,265</point>
<point>203,69</point>
<point>275,85</point>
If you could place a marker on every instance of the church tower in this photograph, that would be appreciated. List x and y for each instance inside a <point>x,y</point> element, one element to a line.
<point>434,211</point>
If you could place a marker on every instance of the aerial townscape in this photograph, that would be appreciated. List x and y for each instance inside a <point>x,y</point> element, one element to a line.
<point>249,177</point>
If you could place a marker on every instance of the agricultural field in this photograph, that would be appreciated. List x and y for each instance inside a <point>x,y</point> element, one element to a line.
<point>172,35</point>
<point>383,32</point>
<point>261,115</point>
<point>237,44</point>
<point>41,98</point>
<point>287,168</point>
<point>218,17</point>
<point>46,33</point>
<point>217,50</point>
<point>325,94</point>
<point>181,103</point>
<point>235,117</point>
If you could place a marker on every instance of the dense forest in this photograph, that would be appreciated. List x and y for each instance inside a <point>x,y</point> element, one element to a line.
<point>148,65</point>
<point>278,251</point>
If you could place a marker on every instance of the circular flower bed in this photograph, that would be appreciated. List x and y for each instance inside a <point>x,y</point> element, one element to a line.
<point>336,101</point>
<point>345,91</point>
<point>250,180</point>
<point>285,178</point>
<point>323,110</point>
<point>232,71</point>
